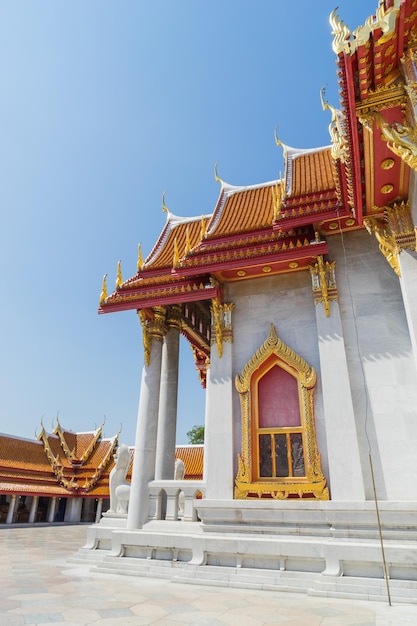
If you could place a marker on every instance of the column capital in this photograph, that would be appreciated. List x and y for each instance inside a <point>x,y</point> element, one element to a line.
<point>221,316</point>
<point>153,327</point>
<point>173,316</point>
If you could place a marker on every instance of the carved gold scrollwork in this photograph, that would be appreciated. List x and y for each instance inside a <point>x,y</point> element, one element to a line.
<point>394,233</point>
<point>401,139</point>
<point>313,484</point>
<point>324,282</point>
<point>386,240</point>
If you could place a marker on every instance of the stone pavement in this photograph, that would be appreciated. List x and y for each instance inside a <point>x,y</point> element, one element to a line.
<point>39,586</point>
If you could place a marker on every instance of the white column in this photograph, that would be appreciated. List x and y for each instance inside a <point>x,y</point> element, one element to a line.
<point>218,434</point>
<point>51,510</point>
<point>99,510</point>
<point>73,510</point>
<point>33,509</point>
<point>346,480</point>
<point>146,430</point>
<point>408,282</point>
<point>167,415</point>
<point>10,512</point>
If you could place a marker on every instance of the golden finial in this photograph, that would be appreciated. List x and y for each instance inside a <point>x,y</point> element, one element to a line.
<point>140,258</point>
<point>203,231</point>
<point>279,142</point>
<point>119,278</point>
<point>103,294</point>
<point>176,258</point>
<point>187,241</point>
<point>216,176</point>
<point>164,206</point>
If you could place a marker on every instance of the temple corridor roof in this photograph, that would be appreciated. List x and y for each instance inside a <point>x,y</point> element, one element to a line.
<point>25,468</point>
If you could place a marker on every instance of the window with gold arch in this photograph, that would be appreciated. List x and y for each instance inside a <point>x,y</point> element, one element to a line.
<point>279,456</point>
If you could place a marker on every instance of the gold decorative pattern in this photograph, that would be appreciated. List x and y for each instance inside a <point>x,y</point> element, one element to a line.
<point>387,164</point>
<point>387,188</point>
<point>324,282</point>
<point>313,484</point>
<point>153,327</point>
<point>400,224</point>
<point>173,316</point>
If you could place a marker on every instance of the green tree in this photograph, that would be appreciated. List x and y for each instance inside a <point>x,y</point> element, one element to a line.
<point>196,435</point>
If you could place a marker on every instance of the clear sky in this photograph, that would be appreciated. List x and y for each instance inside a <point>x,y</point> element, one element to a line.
<point>104,104</point>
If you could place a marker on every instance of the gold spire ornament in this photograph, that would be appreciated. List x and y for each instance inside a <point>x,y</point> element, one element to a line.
<point>176,259</point>
<point>164,206</point>
<point>216,176</point>
<point>140,259</point>
<point>187,241</point>
<point>103,295</point>
<point>336,131</point>
<point>203,231</point>
<point>119,279</point>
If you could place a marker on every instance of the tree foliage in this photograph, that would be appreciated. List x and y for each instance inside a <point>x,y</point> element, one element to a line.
<point>196,435</point>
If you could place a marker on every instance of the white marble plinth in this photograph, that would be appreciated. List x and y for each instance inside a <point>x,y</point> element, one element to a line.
<point>319,548</point>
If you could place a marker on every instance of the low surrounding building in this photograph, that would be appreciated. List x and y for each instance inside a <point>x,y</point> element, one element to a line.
<point>64,476</point>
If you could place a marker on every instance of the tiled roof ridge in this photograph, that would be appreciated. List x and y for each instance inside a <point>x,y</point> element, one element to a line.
<point>291,154</point>
<point>172,222</point>
<point>21,438</point>
<point>227,191</point>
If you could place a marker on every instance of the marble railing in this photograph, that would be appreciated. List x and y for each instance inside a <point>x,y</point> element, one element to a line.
<point>175,499</point>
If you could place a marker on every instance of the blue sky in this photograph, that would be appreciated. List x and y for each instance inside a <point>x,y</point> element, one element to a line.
<point>104,105</point>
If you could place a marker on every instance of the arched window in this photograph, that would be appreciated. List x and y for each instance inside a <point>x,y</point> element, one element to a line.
<point>279,456</point>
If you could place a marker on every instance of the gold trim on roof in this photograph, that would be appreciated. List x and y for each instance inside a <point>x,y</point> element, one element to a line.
<point>119,279</point>
<point>103,295</point>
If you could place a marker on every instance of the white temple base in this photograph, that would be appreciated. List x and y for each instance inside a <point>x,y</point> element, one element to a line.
<point>319,548</point>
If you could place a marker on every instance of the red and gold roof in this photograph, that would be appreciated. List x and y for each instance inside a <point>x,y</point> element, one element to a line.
<point>281,226</point>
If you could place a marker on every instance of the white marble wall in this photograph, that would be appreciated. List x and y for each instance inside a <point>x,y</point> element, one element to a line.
<point>380,361</point>
<point>381,365</point>
<point>287,302</point>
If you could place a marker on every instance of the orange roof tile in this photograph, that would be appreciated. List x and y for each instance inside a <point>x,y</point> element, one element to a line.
<point>193,459</point>
<point>174,234</point>
<point>242,209</point>
<point>310,171</point>
<point>22,453</point>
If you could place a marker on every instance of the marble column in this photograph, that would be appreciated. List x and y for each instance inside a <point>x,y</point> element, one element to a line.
<point>147,423</point>
<point>218,434</point>
<point>73,510</point>
<point>51,510</point>
<point>33,509</point>
<point>167,415</point>
<point>408,282</point>
<point>346,480</point>
<point>10,512</point>
<point>99,510</point>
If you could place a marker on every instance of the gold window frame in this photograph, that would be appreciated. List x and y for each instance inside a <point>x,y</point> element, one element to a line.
<point>248,484</point>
